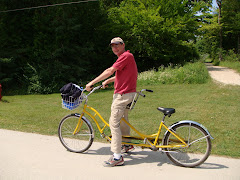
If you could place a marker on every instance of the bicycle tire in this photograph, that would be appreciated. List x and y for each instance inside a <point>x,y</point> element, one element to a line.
<point>193,155</point>
<point>80,141</point>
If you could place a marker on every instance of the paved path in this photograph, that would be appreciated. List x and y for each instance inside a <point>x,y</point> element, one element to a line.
<point>26,156</point>
<point>223,75</point>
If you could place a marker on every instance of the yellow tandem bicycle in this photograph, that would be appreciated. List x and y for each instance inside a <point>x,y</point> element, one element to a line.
<point>186,143</point>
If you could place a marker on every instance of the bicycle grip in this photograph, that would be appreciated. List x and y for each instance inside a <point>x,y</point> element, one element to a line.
<point>148,90</point>
<point>143,95</point>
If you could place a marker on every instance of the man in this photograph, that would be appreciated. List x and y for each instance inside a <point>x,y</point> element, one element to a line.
<point>125,82</point>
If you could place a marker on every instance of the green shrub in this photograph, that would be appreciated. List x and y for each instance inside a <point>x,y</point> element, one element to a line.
<point>231,56</point>
<point>190,73</point>
<point>216,62</point>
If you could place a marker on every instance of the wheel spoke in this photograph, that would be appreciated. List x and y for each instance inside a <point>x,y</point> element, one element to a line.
<point>198,140</point>
<point>79,142</point>
<point>199,145</point>
<point>189,134</point>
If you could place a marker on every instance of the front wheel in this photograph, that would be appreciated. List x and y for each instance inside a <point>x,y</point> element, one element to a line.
<point>199,145</point>
<point>75,134</point>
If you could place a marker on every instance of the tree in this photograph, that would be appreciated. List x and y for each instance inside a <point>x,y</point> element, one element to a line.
<point>219,3</point>
<point>158,32</point>
<point>8,73</point>
<point>55,45</point>
<point>231,24</point>
<point>220,31</point>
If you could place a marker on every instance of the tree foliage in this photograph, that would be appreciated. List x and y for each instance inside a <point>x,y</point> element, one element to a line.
<point>158,32</point>
<point>231,24</point>
<point>52,46</point>
<point>42,49</point>
<point>221,38</point>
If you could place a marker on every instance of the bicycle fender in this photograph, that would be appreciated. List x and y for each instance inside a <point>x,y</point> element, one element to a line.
<point>188,122</point>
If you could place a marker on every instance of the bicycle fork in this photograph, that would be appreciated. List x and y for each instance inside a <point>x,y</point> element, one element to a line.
<point>79,125</point>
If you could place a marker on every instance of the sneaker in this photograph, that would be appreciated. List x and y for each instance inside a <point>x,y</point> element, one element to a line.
<point>127,148</point>
<point>113,162</point>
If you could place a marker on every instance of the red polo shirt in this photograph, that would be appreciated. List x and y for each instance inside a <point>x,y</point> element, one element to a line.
<point>126,74</point>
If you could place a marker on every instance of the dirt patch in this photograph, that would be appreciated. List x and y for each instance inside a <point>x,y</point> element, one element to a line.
<point>223,75</point>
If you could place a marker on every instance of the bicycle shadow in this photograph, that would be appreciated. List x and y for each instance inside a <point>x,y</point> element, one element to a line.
<point>143,156</point>
<point>139,156</point>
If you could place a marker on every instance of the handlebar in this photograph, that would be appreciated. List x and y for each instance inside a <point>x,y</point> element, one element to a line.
<point>148,90</point>
<point>143,95</point>
<point>100,86</point>
<point>134,100</point>
<point>94,89</point>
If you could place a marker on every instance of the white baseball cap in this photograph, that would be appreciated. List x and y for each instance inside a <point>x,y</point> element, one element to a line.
<point>117,40</point>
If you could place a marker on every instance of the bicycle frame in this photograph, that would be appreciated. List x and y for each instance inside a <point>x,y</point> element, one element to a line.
<point>150,141</point>
<point>180,141</point>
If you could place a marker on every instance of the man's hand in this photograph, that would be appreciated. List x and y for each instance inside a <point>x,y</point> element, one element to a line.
<point>89,86</point>
<point>108,81</point>
<point>108,72</point>
<point>105,84</point>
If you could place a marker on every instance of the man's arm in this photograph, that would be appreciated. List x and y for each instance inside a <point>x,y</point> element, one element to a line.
<point>108,72</point>
<point>106,82</point>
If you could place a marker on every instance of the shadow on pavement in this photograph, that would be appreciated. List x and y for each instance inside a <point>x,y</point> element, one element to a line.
<point>212,166</point>
<point>142,157</point>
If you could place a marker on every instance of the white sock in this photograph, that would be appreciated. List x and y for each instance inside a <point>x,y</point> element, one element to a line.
<point>116,156</point>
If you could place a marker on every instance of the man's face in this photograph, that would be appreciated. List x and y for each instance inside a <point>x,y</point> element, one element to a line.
<point>118,48</point>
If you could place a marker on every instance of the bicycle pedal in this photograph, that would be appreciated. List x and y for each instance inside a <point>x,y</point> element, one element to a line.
<point>103,135</point>
<point>145,141</point>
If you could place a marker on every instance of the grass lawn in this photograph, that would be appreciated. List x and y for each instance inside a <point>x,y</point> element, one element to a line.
<point>214,106</point>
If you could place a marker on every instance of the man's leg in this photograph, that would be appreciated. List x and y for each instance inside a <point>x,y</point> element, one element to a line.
<point>125,129</point>
<point>117,111</point>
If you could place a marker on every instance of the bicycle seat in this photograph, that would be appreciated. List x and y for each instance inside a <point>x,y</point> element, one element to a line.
<point>166,111</point>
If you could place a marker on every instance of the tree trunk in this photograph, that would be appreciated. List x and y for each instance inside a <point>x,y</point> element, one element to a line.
<point>219,2</point>
<point>238,50</point>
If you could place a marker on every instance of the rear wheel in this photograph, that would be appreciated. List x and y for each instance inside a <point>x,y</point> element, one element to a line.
<point>199,145</point>
<point>75,134</point>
